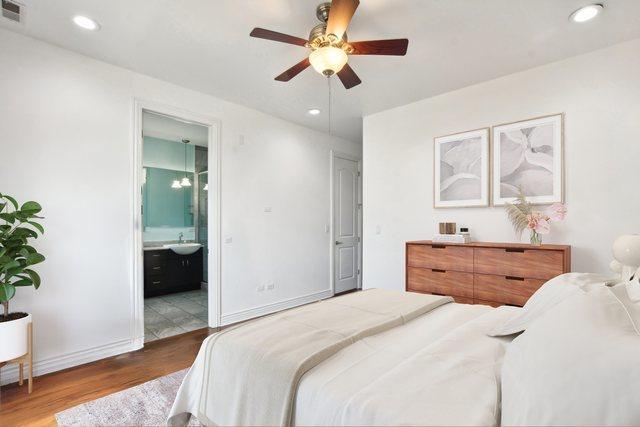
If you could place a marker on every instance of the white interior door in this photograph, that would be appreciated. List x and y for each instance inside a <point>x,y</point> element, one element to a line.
<point>345,224</point>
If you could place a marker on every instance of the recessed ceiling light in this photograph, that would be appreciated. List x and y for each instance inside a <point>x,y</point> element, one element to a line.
<point>86,23</point>
<point>314,111</point>
<point>586,13</point>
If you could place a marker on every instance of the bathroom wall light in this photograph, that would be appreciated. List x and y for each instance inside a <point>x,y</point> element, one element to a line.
<point>176,184</point>
<point>206,187</point>
<point>185,182</point>
<point>314,111</point>
<point>586,13</point>
<point>86,23</point>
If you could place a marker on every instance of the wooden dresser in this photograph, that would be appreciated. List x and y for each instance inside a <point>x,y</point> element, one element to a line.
<point>483,273</point>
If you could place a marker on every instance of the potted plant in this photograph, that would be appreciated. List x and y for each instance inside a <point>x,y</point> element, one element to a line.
<point>18,226</point>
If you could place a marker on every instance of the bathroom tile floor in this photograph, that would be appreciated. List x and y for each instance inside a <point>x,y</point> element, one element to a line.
<point>174,314</point>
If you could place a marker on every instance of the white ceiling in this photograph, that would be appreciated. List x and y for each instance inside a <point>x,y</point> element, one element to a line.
<point>205,45</point>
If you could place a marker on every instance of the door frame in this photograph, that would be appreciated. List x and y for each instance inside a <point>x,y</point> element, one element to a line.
<point>214,126</point>
<point>332,247</point>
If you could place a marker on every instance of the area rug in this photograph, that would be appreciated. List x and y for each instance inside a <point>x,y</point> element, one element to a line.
<point>147,404</point>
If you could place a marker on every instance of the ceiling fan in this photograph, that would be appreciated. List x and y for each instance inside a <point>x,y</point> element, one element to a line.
<point>329,44</point>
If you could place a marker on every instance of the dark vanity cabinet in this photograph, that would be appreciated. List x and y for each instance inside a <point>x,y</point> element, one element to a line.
<point>166,272</point>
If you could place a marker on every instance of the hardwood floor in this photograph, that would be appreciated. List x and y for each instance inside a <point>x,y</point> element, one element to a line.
<point>57,391</point>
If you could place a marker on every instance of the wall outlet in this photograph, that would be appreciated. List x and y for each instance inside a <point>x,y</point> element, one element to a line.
<point>271,286</point>
<point>260,288</point>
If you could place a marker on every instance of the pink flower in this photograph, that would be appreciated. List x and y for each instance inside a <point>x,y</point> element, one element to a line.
<point>557,212</point>
<point>539,222</point>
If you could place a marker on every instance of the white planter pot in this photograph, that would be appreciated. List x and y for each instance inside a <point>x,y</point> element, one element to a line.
<point>14,340</point>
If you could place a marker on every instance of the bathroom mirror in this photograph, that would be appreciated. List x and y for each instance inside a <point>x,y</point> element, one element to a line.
<point>164,205</point>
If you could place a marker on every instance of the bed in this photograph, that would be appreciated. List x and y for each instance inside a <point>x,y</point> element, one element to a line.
<point>378,357</point>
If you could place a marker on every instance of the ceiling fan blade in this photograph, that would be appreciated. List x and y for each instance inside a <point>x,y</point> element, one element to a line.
<point>294,71</point>
<point>348,77</point>
<point>261,33</point>
<point>340,16</point>
<point>380,47</point>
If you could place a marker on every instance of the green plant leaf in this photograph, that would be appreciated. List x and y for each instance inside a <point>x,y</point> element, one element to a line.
<point>11,200</point>
<point>7,291</point>
<point>35,258</point>
<point>31,208</point>
<point>9,265</point>
<point>22,282</point>
<point>22,232</point>
<point>35,277</point>
<point>9,217</point>
<point>39,227</point>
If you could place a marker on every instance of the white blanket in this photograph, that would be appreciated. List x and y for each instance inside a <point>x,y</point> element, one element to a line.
<point>439,369</point>
<point>248,375</point>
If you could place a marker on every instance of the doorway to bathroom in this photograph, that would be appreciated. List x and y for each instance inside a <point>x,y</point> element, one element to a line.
<point>177,154</point>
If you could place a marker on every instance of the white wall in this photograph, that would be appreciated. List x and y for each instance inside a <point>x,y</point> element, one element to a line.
<point>600,94</point>
<point>66,140</point>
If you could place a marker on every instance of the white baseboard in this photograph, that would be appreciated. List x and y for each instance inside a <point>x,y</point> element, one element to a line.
<point>52,364</point>
<point>250,313</point>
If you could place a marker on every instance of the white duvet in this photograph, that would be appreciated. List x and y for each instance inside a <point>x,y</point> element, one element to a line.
<point>439,369</point>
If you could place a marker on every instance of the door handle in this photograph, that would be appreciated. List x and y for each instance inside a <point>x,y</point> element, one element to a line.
<point>338,242</point>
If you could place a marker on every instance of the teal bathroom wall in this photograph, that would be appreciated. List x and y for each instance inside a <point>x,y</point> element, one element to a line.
<point>167,211</point>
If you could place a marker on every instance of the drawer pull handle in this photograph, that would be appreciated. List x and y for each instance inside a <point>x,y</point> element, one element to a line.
<point>156,283</point>
<point>437,270</point>
<point>438,247</point>
<point>520,250</point>
<point>156,268</point>
<point>519,279</point>
<point>155,255</point>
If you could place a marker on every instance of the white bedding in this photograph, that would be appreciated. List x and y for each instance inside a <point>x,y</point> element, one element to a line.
<point>439,369</point>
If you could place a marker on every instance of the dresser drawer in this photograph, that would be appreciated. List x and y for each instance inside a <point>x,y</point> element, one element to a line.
<point>457,258</point>
<point>440,282</point>
<point>154,258</point>
<point>504,289</point>
<point>518,262</point>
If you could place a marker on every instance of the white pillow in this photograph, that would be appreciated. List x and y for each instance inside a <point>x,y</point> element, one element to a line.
<point>551,293</point>
<point>624,292</point>
<point>578,364</point>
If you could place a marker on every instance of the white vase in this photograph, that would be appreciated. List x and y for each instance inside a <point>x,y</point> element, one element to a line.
<point>14,339</point>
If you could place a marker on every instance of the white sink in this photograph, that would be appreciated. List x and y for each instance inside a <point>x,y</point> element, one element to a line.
<point>183,248</point>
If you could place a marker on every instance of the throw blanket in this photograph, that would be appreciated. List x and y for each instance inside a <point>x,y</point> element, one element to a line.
<point>248,374</point>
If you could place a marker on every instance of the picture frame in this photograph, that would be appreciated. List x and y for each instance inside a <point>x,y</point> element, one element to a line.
<point>461,169</point>
<point>528,155</point>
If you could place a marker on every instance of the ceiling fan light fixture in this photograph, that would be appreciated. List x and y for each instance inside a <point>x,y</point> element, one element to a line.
<point>314,111</point>
<point>328,60</point>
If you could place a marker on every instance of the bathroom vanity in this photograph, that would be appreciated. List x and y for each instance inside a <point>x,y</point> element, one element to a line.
<point>166,272</point>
